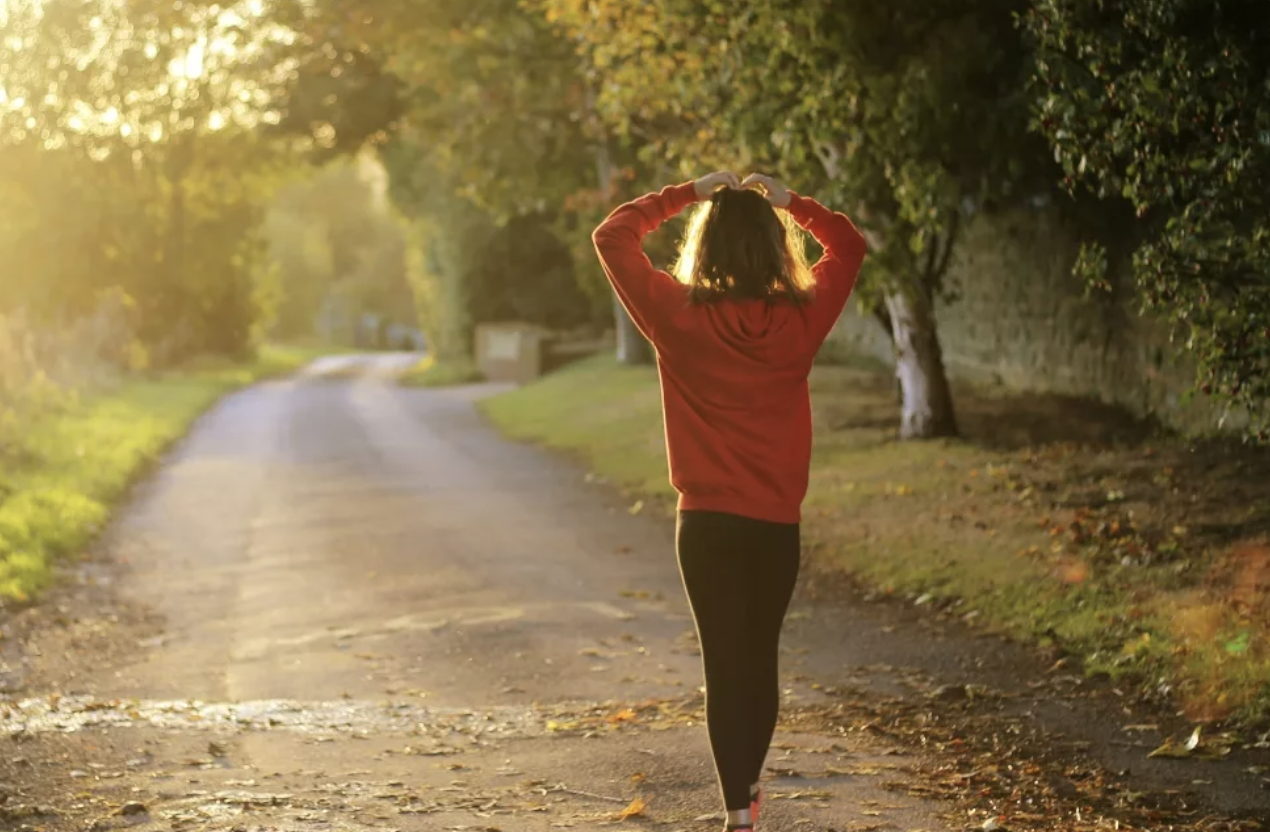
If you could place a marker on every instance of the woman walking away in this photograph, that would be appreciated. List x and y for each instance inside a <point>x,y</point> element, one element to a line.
<point>735,337</point>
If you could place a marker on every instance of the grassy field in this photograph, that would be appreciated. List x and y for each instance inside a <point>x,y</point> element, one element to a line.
<point>430,372</point>
<point>1052,520</point>
<point>58,483</point>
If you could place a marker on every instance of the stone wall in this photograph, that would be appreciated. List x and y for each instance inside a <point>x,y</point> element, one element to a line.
<point>1022,321</point>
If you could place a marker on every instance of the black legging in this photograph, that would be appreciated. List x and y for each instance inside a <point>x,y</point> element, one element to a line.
<point>740,575</point>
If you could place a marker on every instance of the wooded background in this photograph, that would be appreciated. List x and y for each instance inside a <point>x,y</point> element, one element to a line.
<point>1062,195</point>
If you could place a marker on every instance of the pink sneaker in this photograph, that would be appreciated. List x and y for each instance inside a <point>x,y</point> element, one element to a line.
<point>755,804</point>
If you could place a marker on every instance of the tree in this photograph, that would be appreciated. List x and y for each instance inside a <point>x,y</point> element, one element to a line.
<point>496,100</point>
<point>131,130</point>
<point>334,234</point>
<point>301,252</point>
<point>524,272</point>
<point>904,114</point>
<point>473,270</point>
<point>1164,104</point>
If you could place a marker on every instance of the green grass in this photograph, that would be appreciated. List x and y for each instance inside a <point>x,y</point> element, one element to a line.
<point>984,526</point>
<point>430,372</point>
<point>68,468</point>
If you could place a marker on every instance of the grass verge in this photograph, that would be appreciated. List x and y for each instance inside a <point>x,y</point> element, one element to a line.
<point>430,372</point>
<point>1054,520</point>
<point>58,482</point>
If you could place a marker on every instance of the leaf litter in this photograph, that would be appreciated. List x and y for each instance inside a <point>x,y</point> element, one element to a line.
<point>992,766</point>
<point>983,764</point>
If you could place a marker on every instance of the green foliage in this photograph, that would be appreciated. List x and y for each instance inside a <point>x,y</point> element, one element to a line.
<point>36,526</point>
<point>445,373</point>
<point>139,153</point>
<point>339,246</point>
<point>1163,103</point>
<point>906,115</point>
<point>130,162</point>
<point>447,232</point>
<point>338,100</point>
<point>525,273</point>
<point>467,268</point>
<point>43,372</point>
<point>60,473</point>
<point>301,253</point>
<point>495,112</point>
<point>488,93</point>
<point>441,298</point>
<point>900,113</point>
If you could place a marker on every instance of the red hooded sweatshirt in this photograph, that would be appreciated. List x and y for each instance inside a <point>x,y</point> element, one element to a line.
<point>734,372</point>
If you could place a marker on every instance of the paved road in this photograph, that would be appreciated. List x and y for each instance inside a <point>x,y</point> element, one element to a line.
<point>367,611</point>
<point>344,605</point>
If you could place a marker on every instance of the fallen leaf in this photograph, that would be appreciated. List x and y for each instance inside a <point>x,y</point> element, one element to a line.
<point>1171,748</point>
<point>634,810</point>
<point>804,795</point>
<point>784,772</point>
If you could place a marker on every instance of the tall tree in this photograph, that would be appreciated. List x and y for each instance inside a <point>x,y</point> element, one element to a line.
<point>905,114</point>
<point>493,98</point>
<point>1166,104</point>
<point>134,123</point>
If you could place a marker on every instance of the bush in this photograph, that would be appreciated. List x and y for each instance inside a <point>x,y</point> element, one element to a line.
<point>42,369</point>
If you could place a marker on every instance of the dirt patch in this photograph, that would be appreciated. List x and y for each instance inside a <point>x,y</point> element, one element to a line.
<point>44,643</point>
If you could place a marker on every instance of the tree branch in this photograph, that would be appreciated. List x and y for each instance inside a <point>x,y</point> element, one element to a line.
<point>939,257</point>
<point>950,240</point>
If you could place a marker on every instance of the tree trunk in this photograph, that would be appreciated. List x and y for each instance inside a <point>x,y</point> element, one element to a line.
<point>633,348</point>
<point>927,408</point>
<point>883,318</point>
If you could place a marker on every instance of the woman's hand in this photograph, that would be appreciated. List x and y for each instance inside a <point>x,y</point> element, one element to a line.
<point>711,182</point>
<point>776,193</point>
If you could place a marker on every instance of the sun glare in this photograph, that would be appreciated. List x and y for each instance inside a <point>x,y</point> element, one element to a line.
<point>140,72</point>
<point>190,65</point>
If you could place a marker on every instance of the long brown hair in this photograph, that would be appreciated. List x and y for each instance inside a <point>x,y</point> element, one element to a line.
<point>738,246</point>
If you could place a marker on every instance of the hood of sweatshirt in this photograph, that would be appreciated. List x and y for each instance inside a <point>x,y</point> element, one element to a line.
<point>768,333</point>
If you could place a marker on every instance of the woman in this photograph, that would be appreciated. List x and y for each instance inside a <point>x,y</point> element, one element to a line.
<point>735,337</point>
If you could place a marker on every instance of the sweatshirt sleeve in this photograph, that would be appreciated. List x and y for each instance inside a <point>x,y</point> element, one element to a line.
<point>837,269</point>
<point>646,292</point>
